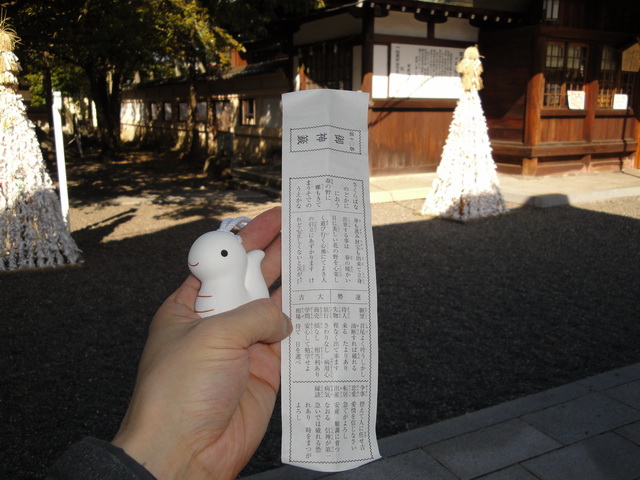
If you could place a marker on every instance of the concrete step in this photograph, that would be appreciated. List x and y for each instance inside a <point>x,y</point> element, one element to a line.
<point>257,179</point>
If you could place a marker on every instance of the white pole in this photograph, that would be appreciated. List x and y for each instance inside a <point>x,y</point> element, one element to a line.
<point>62,172</point>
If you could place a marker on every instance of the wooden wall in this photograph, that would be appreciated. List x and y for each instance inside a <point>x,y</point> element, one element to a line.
<point>408,135</point>
<point>531,140</point>
<point>253,144</point>
<point>507,70</point>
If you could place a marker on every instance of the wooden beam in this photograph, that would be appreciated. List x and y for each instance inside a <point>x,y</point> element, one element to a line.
<point>564,148</point>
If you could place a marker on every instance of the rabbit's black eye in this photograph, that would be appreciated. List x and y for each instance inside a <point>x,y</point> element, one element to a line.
<point>224,253</point>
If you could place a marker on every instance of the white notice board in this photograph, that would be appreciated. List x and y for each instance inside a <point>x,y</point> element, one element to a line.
<point>420,71</point>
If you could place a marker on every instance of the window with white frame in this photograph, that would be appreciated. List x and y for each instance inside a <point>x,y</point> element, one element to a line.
<point>201,112</point>
<point>550,10</point>
<point>183,111</point>
<point>155,110</point>
<point>168,112</point>
<point>248,116</point>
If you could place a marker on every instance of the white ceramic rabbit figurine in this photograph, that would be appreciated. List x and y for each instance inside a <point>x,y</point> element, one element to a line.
<point>230,276</point>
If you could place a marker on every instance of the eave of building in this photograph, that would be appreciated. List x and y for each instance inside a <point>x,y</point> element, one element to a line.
<point>436,11</point>
<point>423,11</point>
<point>254,69</point>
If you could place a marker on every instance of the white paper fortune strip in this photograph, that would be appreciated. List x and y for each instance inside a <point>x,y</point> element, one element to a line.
<point>330,361</point>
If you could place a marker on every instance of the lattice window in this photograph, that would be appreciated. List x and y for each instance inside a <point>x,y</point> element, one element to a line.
<point>327,66</point>
<point>612,80</point>
<point>565,69</point>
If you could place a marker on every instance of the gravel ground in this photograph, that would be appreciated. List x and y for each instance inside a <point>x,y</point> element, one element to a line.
<point>470,315</point>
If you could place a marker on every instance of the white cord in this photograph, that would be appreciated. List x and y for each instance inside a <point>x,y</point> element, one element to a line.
<point>228,224</point>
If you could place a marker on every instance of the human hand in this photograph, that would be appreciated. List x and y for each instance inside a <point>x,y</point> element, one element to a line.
<point>206,387</point>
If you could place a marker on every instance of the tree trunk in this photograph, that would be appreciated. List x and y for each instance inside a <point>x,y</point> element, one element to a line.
<point>47,89</point>
<point>192,134</point>
<point>107,108</point>
<point>115,101</point>
<point>193,119</point>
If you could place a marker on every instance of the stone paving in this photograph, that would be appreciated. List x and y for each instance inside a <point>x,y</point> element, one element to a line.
<point>548,191</point>
<point>586,430</point>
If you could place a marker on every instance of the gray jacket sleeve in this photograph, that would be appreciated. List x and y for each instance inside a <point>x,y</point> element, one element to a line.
<point>93,459</point>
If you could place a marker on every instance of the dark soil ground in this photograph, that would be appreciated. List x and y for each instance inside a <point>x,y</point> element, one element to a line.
<point>470,315</point>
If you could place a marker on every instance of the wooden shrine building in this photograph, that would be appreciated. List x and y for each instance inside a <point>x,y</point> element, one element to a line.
<point>562,88</point>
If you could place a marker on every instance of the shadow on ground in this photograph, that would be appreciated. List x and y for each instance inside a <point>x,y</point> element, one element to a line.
<point>135,174</point>
<point>470,315</point>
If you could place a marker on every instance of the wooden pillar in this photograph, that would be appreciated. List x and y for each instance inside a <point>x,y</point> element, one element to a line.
<point>637,162</point>
<point>636,119</point>
<point>367,50</point>
<point>302,76</point>
<point>591,103</point>
<point>532,121</point>
<point>290,72</point>
<point>591,94</point>
<point>533,108</point>
<point>529,166</point>
<point>367,74</point>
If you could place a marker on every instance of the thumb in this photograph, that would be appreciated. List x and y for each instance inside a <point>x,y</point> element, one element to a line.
<point>260,321</point>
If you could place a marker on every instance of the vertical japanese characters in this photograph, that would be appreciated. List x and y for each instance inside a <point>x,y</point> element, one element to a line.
<point>330,309</point>
<point>330,360</point>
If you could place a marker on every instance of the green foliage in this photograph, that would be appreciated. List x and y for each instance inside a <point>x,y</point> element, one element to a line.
<point>190,34</point>
<point>36,88</point>
<point>110,40</point>
<point>69,80</point>
<point>248,20</point>
<point>132,35</point>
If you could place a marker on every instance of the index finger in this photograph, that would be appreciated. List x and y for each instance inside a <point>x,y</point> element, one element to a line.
<point>262,230</point>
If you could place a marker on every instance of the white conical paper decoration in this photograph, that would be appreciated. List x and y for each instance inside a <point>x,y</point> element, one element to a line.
<point>466,186</point>
<point>32,230</point>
